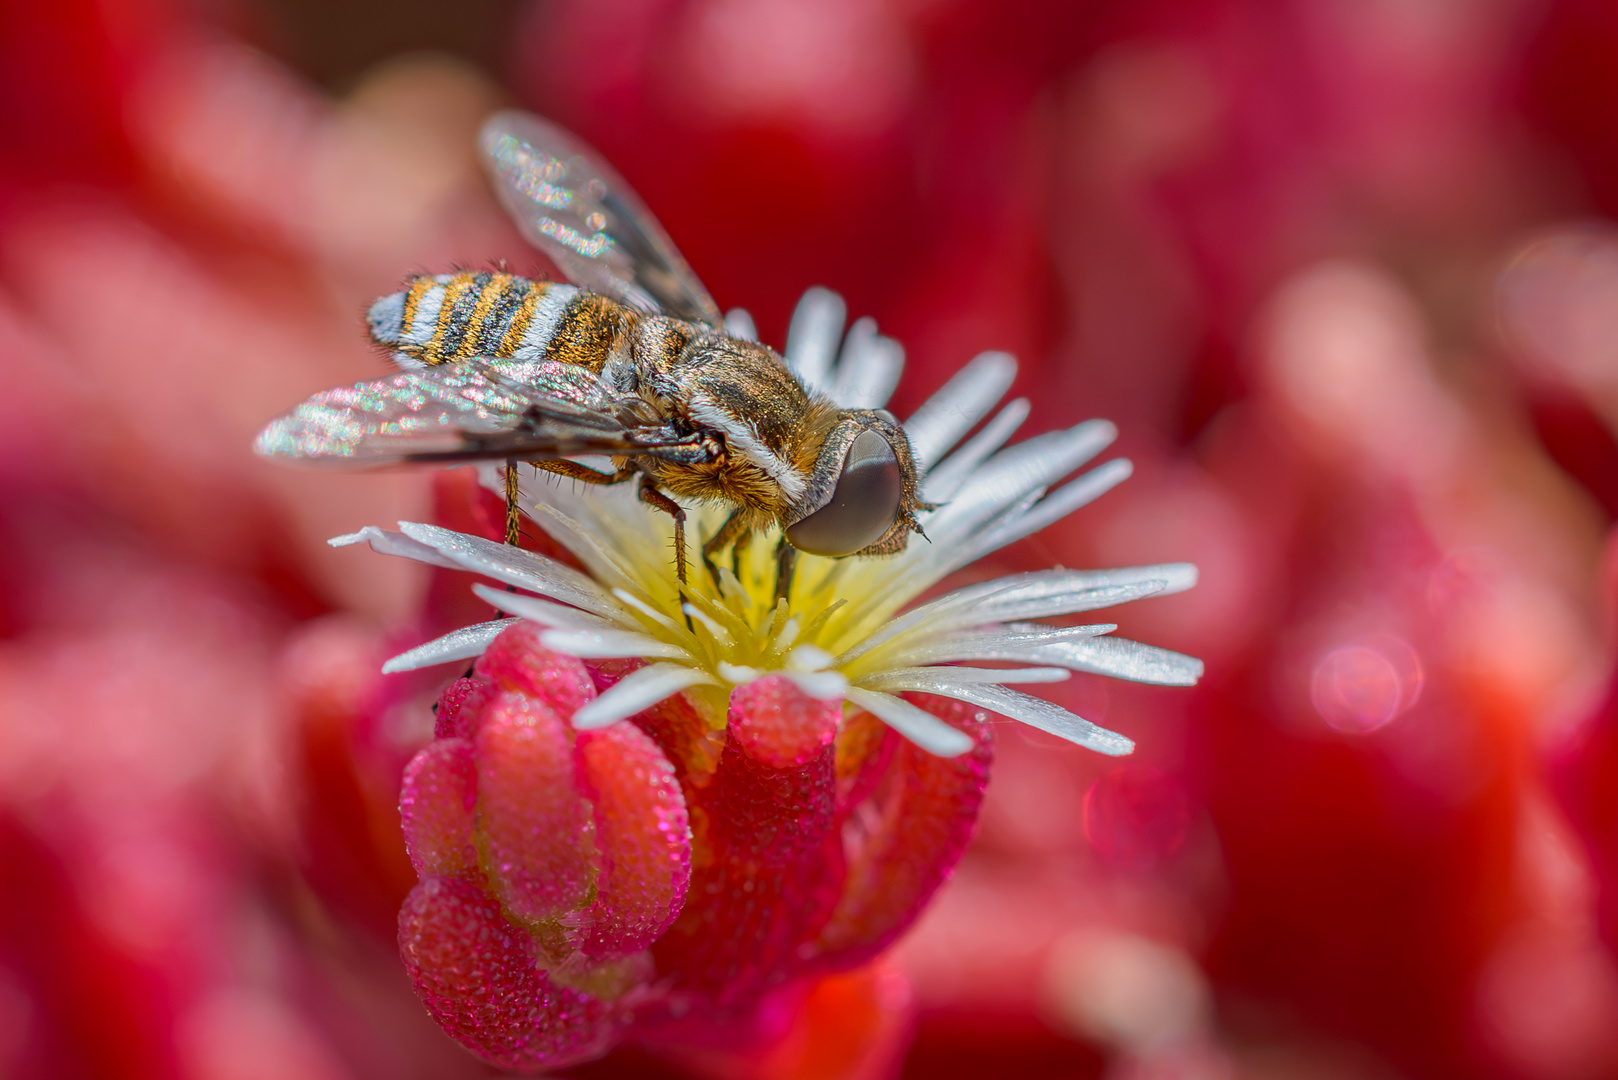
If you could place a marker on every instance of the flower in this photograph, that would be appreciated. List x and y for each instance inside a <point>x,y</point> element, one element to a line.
<point>677,879</point>
<point>844,631</point>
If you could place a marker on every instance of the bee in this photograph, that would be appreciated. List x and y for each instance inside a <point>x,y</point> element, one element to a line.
<point>630,360</point>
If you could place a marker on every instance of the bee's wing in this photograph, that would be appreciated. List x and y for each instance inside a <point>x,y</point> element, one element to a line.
<point>575,208</point>
<point>469,411</point>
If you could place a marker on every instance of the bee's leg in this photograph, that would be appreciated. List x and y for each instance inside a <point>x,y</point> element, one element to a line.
<point>574,471</point>
<point>564,468</point>
<point>732,531</point>
<point>513,532</point>
<point>659,501</point>
<point>739,549</point>
<point>513,504</point>
<point>786,561</point>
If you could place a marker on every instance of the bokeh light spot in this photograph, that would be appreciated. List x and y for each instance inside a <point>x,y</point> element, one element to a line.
<point>1125,990</point>
<point>1362,687</point>
<point>1136,815</point>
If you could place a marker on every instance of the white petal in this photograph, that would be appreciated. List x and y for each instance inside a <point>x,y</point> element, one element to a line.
<point>387,542</point>
<point>824,685</point>
<point>514,566</point>
<point>1085,586</point>
<point>543,612</point>
<point>609,644</point>
<point>462,644</point>
<point>968,606</point>
<point>951,473</point>
<point>868,368</point>
<point>916,724</point>
<point>1014,472</point>
<point>958,406</point>
<point>602,558</point>
<point>1002,490</point>
<point>919,678</point>
<point>1122,659</point>
<point>812,336</point>
<point>1036,712</point>
<point>918,568</point>
<point>1052,508</point>
<point>1174,577</point>
<point>1035,595</point>
<point>739,674</point>
<point>1014,642</point>
<point>968,597</point>
<point>1042,604</point>
<point>639,690</point>
<point>1041,633</point>
<point>807,658</point>
<point>739,324</point>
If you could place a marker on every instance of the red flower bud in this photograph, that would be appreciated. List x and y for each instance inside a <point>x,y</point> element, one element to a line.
<point>655,872</point>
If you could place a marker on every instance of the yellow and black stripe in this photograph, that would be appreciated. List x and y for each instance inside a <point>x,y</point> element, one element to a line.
<point>587,331</point>
<point>443,318</point>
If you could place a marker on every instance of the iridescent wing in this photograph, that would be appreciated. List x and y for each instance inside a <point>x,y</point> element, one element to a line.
<point>575,208</point>
<point>470,411</point>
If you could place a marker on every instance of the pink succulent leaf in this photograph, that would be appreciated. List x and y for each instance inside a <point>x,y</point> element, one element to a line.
<point>771,868</point>
<point>517,660</point>
<point>643,835</point>
<point>477,975</point>
<point>436,805</point>
<point>535,828</point>
<point>925,810</point>
<point>775,723</point>
<point>461,701</point>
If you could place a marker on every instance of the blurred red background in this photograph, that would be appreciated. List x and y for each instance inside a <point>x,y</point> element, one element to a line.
<point>1342,271</point>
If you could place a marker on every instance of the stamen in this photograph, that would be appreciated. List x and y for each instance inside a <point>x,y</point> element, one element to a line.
<point>812,631</point>
<point>788,634</point>
<point>778,617</point>
<point>720,635</point>
<point>731,588</point>
<point>647,610</point>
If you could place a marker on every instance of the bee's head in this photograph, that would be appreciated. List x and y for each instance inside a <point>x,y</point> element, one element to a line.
<point>861,496</point>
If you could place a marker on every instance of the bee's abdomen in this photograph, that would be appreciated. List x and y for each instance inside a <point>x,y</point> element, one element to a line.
<point>446,317</point>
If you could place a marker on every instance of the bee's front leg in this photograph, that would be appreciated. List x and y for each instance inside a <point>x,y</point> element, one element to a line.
<point>734,531</point>
<point>574,471</point>
<point>513,504</point>
<point>786,562</point>
<point>571,469</point>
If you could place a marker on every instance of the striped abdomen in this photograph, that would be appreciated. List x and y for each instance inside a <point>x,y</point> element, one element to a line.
<point>445,317</point>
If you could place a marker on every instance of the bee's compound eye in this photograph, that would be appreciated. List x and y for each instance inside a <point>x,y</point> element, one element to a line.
<point>863,506</point>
